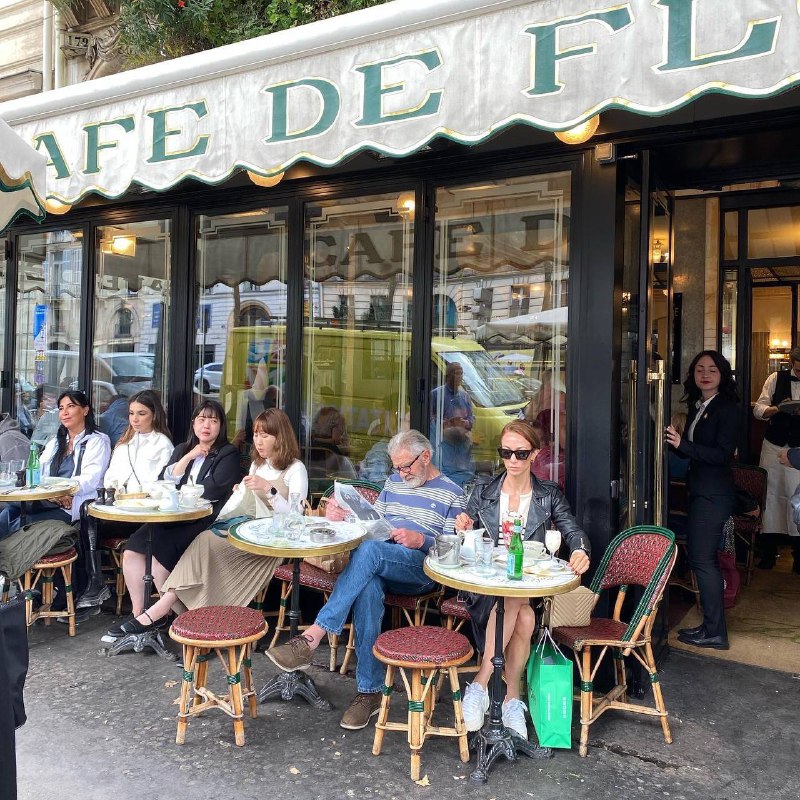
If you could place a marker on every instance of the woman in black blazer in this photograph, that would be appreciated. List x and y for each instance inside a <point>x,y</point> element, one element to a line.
<point>204,458</point>
<point>709,442</point>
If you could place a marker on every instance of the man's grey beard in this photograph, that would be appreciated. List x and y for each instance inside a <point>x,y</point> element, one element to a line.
<point>415,481</point>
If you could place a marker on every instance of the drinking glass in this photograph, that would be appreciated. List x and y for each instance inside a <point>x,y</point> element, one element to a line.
<point>294,525</point>
<point>17,466</point>
<point>7,476</point>
<point>484,553</point>
<point>552,541</point>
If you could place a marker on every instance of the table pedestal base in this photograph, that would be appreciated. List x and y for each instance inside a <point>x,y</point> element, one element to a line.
<point>491,743</point>
<point>137,642</point>
<point>288,684</point>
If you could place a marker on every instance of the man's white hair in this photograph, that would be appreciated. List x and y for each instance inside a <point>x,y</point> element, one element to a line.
<point>413,441</point>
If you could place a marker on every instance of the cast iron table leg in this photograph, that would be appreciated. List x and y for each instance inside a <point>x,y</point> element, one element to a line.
<point>153,638</point>
<point>288,684</point>
<point>494,740</point>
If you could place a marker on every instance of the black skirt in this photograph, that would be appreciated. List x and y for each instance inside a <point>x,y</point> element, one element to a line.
<point>170,540</point>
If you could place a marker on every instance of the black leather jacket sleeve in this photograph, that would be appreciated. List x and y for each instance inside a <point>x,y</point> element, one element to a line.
<point>548,508</point>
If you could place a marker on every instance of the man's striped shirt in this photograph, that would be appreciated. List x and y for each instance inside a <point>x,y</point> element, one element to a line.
<point>430,509</point>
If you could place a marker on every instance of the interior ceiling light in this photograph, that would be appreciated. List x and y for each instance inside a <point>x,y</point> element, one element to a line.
<point>263,181</point>
<point>580,133</point>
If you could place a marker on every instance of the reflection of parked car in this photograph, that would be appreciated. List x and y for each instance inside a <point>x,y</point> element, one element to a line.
<point>131,372</point>
<point>208,378</point>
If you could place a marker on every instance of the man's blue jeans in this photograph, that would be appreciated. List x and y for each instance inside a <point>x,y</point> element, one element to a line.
<point>374,569</point>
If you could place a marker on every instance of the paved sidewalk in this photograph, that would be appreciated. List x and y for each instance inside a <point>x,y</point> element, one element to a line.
<point>104,728</point>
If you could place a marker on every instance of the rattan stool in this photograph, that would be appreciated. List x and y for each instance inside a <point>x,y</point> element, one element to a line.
<point>228,631</point>
<point>114,546</point>
<point>43,571</point>
<point>420,652</point>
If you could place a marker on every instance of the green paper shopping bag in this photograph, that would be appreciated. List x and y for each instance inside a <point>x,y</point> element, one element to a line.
<point>550,693</point>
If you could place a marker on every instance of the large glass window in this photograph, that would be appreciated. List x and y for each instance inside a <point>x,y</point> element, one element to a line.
<point>501,275</point>
<point>357,337</point>
<point>240,344</point>
<point>47,358</point>
<point>131,316</point>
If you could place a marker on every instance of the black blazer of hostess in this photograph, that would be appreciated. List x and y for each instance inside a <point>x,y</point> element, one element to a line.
<point>711,453</point>
<point>219,473</point>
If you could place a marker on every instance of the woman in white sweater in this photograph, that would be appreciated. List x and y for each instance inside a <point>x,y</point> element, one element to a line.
<point>145,447</point>
<point>213,572</point>
<point>141,453</point>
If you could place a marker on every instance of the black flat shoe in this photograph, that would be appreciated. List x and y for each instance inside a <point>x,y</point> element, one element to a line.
<point>702,640</point>
<point>691,631</point>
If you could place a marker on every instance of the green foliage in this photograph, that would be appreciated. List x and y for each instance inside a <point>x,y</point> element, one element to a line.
<point>154,30</point>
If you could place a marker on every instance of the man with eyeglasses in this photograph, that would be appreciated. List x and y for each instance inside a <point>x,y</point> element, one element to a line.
<point>420,503</point>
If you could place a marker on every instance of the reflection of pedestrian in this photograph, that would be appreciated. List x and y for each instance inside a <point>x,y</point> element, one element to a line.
<point>783,430</point>
<point>452,418</point>
<point>709,443</point>
<point>329,429</point>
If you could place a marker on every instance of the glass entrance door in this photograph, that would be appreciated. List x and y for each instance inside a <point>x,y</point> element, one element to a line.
<point>646,350</point>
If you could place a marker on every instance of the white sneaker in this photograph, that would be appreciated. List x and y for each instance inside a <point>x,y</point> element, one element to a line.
<point>475,704</point>
<point>514,717</point>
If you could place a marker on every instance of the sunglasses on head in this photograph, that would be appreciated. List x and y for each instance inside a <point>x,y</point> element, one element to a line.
<point>505,453</point>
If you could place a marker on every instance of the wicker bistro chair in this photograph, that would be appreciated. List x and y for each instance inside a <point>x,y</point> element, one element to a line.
<point>419,653</point>
<point>641,556</point>
<point>746,528</point>
<point>230,632</point>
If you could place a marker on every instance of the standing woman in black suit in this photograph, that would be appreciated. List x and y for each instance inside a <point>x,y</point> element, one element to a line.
<point>204,458</point>
<point>709,443</point>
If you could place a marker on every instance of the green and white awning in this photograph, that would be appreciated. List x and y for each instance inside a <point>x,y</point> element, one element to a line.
<point>391,78</point>
<point>22,178</point>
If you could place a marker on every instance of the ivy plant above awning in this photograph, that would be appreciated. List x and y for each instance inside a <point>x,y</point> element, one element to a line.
<point>22,179</point>
<point>391,78</point>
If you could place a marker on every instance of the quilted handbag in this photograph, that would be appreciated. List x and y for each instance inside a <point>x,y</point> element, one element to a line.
<point>571,609</point>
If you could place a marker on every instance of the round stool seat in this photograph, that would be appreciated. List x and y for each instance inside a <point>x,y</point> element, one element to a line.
<point>423,645</point>
<point>55,559</point>
<point>218,624</point>
<point>310,576</point>
<point>453,607</point>
<point>114,542</point>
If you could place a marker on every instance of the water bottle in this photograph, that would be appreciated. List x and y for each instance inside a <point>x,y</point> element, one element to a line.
<point>515,552</point>
<point>33,472</point>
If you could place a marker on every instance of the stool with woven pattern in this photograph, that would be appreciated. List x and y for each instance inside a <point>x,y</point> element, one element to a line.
<point>319,580</point>
<point>43,572</point>
<point>229,632</point>
<point>420,653</point>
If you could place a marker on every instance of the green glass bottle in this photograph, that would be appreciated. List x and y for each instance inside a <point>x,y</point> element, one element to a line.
<point>515,552</point>
<point>33,470</point>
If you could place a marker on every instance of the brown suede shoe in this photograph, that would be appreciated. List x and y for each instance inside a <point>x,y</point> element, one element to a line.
<point>363,708</point>
<point>296,654</point>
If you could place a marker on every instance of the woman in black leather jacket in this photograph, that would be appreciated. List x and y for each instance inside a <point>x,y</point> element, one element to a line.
<point>541,505</point>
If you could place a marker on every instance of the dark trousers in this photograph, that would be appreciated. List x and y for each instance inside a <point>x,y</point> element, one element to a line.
<point>707,516</point>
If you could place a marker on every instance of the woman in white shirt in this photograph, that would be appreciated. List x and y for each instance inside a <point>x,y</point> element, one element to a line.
<point>213,572</point>
<point>78,451</point>
<point>143,450</point>
<point>145,447</point>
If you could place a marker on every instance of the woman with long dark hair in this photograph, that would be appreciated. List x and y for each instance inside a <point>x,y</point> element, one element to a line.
<point>709,442</point>
<point>205,458</point>
<point>213,572</point>
<point>78,450</point>
<point>145,446</point>
<point>143,450</point>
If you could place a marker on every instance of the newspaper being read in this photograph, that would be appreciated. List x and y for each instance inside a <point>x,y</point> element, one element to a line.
<point>348,498</point>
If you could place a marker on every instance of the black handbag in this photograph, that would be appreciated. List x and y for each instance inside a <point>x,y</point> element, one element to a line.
<point>14,655</point>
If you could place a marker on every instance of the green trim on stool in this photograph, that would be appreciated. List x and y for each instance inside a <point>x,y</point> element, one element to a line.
<point>188,676</point>
<point>654,678</point>
<point>234,679</point>
<point>587,686</point>
<point>387,690</point>
<point>203,657</point>
<point>457,695</point>
<point>247,662</point>
<point>417,706</point>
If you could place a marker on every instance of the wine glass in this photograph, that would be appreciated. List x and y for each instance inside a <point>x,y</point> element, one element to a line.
<point>552,541</point>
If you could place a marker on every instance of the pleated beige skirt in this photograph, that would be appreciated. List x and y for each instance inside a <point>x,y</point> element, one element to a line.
<point>212,572</point>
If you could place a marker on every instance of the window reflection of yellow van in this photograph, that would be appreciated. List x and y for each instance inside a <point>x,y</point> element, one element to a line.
<point>364,374</point>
